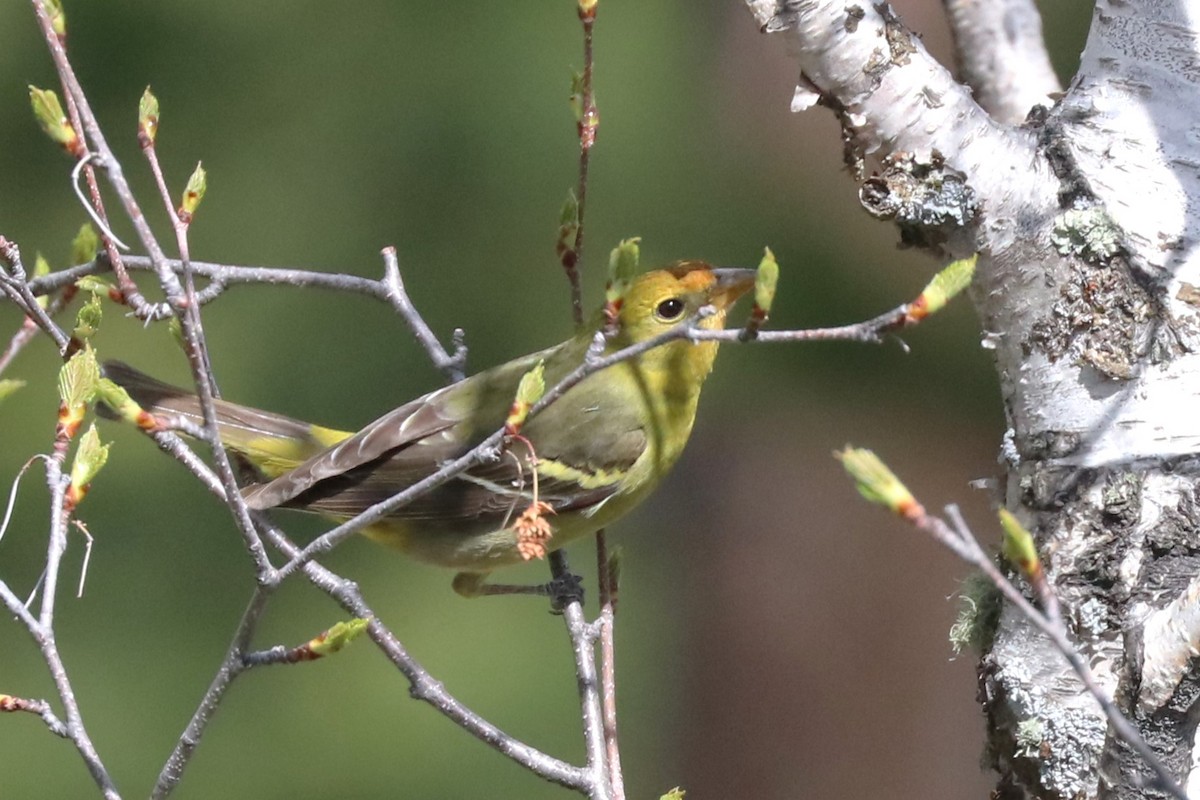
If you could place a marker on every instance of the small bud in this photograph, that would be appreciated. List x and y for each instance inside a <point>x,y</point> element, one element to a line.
<point>766,280</point>
<point>1019,547</point>
<point>622,266</point>
<point>8,386</point>
<point>587,9</point>
<point>54,122</point>
<point>529,391</point>
<point>87,321</point>
<point>58,17</point>
<point>878,484</point>
<point>197,185</point>
<point>95,285</point>
<point>955,277</point>
<point>568,229</point>
<point>337,637</point>
<point>674,794</point>
<point>147,118</point>
<point>85,245</point>
<point>120,405</point>
<point>90,457</point>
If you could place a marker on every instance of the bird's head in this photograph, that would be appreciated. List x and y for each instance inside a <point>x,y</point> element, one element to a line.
<point>666,298</point>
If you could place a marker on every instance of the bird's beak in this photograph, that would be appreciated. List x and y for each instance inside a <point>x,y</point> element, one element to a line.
<point>732,283</point>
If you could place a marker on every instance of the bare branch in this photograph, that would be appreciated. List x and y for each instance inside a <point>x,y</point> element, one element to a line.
<point>16,287</point>
<point>891,95</point>
<point>393,286</point>
<point>424,686</point>
<point>608,586</point>
<point>583,648</point>
<point>8,703</point>
<point>1002,56</point>
<point>188,314</point>
<point>231,666</point>
<point>42,630</point>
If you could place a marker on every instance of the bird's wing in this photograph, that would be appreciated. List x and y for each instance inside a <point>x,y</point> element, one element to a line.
<point>418,422</point>
<point>412,440</point>
<point>481,499</point>
<point>583,454</point>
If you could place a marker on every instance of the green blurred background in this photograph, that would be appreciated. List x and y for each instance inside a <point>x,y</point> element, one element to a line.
<point>777,638</point>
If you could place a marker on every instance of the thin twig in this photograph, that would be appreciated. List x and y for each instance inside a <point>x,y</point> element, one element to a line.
<point>8,703</point>
<point>589,120</point>
<point>453,366</point>
<point>196,348</point>
<point>583,648</point>
<point>95,209</point>
<point>608,664</point>
<point>424,686</point>
<point>41,629</point>
<point>231,666</point>
<point>16,286</point>
<point>871,331</point>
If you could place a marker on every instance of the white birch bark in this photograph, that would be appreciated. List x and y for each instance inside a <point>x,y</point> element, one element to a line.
<point>1087,218</point>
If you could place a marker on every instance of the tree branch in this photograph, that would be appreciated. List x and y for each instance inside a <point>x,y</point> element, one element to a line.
<point>1002,56</point>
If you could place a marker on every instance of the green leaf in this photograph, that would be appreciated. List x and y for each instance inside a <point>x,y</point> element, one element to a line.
<point>529,391</point>
<point>766,279</point>
<point>87,321</point>
<point>79,379</point>
<point>95,285</point>
<point>85,245</point>
<point>90,458</point>
<point>622,267</point>
<point>50,116</point>
<point>41,267</point>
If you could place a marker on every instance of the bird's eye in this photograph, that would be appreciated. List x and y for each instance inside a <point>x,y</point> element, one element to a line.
<point>670,309</point>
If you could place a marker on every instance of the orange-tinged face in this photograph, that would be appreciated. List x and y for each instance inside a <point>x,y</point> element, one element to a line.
<point>664,298</point>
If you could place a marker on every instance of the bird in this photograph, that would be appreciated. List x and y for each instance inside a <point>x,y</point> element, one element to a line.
<point>580,464</point>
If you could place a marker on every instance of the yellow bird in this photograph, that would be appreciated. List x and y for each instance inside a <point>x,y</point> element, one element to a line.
<point>600,449</point>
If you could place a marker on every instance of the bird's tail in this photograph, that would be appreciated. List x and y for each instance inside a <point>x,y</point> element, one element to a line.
<point>273,443</point>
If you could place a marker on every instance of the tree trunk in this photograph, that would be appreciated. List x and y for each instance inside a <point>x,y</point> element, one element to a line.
<point>1085,217</point>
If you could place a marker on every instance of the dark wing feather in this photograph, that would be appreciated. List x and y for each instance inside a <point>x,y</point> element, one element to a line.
<point>594,428</point>
<point>481,499</point>
<point>418,422</point>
